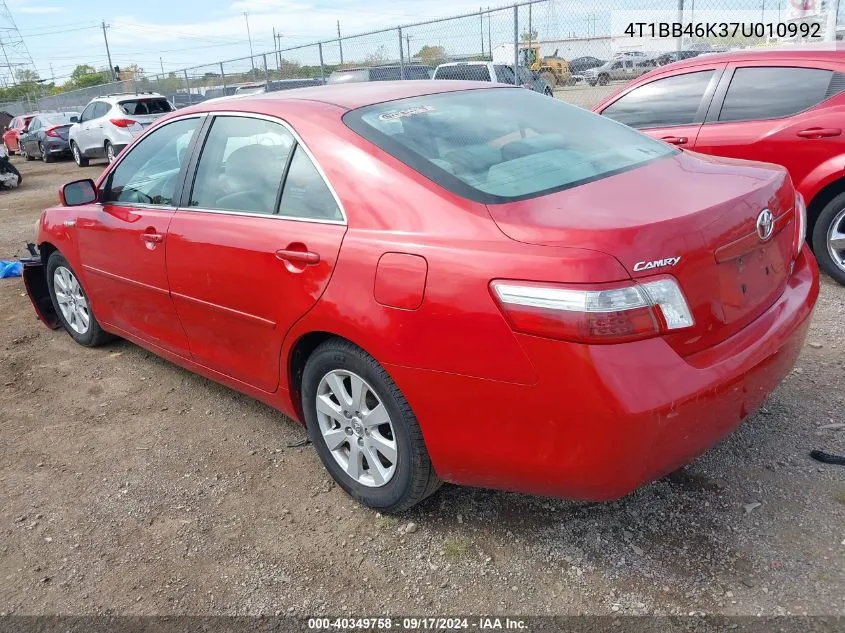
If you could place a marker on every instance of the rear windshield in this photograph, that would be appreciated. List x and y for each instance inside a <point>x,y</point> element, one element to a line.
<point>503,144</point>
<point>139,107</point>
<point>467,72</point>
<point>62,118</point>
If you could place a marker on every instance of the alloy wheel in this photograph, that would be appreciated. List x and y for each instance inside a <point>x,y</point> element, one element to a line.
<point>76,156</point>
<point>356,428</point>
<point>110,155</point>
<point>72,301</point>
<point>836,240</point>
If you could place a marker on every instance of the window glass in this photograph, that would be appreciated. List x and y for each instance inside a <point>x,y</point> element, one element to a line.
<point>88,112</point>
<point>772,92</point>
<point>468,72</point>
<point>525,145</point>
<point>505,74</point>
<point>670,101</point>
<point>149,172</point>
<point>306,194</point>
<point>140,107</point>
<point>241,166</point>
<point>386,73</point>
<point>100,109</point>
<point>34,124</point>
<point>61,118</point>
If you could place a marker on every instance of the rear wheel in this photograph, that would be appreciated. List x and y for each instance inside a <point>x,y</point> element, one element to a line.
<point>364,430</point>
<point>45,155</point>
<point>78,158</point>
<point>25,155</point>
<point>110,153</point>
<point>71,303</point>
<point>829,238</point>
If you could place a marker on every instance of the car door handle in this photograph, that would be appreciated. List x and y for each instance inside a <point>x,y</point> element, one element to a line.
<point>675,140</point>
<point>820,132</point>
<point>297,256</point>
<point>152,238</point>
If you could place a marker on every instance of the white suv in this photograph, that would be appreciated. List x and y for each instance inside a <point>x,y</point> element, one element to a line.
<point>109,123</point>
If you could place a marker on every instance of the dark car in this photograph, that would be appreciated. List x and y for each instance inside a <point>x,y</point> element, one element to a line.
<point>46,136</point>
<point>580,64</point>
<point>392,72</point>
<point>675,56</point>
<point>184,99</point>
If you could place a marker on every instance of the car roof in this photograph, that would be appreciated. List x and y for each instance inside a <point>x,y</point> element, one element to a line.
<point>128,95</point>
<point>352,95</point>
<point>794,52</point>
<point>467,63</point>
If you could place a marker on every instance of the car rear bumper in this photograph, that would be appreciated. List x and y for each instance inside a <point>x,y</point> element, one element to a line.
<point>57,146</point>
<point>604,419</point>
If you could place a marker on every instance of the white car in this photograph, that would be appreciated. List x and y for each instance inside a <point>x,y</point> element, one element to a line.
<point>109,123</point>
<point>488,71</point>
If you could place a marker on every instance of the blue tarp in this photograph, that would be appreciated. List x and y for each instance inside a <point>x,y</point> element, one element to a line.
<point>10,269</point>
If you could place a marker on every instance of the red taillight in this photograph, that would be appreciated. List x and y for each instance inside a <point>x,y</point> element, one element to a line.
<point>53,131</point>
<point>800,224</point>
<point>123,122</point>
<point>609,313</point>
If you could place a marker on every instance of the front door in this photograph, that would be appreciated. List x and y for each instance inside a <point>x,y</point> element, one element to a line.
<point>122,240</point>
<point>670,108</point>
<point>253,249</point>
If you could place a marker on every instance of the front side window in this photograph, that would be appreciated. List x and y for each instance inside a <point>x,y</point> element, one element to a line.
<point>525,145</point>
<point>661,103</point>
<point>241,166</point>
<point>148,173</point>
<point>774,92</point>
<point>35,124</point>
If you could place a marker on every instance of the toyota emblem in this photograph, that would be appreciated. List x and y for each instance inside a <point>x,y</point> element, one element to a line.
<point>765,225</point>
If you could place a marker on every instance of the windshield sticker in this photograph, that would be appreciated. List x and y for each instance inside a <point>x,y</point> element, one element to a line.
<point>401,114</point>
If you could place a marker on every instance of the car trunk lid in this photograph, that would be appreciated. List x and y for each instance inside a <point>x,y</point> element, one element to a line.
<point>689,216</point>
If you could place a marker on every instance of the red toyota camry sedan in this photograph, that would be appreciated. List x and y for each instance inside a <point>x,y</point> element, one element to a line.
<point>445,281</point>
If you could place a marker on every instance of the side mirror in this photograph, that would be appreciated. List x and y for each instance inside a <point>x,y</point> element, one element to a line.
<point>77,193</point>
<point>74,119</point>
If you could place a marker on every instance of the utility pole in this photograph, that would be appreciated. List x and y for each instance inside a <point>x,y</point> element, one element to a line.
<point>52,74</point>
<point>339,43</point>
<point>832,13</point>
<point>408,46</point>
<point>680,42</point>
<point>481,19</point>
<point>160,61</point>
<point>249,37</point>
<point>108,53</point>
<point>276,46</point>
<point>489,32</point>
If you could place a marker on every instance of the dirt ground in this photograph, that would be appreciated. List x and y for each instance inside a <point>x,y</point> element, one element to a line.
<point>131,486</point>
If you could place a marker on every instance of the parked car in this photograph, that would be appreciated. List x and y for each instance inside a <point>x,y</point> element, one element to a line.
<point>185,99</point>
<point>488,71</point>
<point>442,281</point>
<point>779,106</point>
<point>11,136</point>
<point>109,123</point>
<point>46,136</point>
<point>676,56</point>
<point>278,84</point>
<point>580,64</point>
<point>392,72</point>
<point>214,93</point>
<point>624,68</point>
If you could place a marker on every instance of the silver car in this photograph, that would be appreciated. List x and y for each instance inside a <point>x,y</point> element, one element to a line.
<point>109,123</point>
<point>624,68</point>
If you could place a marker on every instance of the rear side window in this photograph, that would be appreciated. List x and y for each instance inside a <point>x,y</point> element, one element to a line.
<point>524,145</point>
<point>466,72</point>
<point>388,73</point>
<point>140,107</point>
<point>417,72</point>
<point>661,103</point>
<point>773,92</point>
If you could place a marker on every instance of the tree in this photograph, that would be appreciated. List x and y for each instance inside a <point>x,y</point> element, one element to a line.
<point>26,76</point>
<point>84,76</point>
<point>431,55</point>
<point>529,36</point>
<point>132,71</point>
<point>378,57</point>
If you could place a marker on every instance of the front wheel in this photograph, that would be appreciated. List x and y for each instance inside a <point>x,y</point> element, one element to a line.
<point>78,158</point>
<point>829,239</point>
<point>8,151</point>
<point>364,430</point>
<point>110,153</point>
<point>25,155</point>
<point>71,303</point>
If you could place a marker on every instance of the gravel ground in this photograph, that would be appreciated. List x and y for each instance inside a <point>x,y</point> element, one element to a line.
<point>132,486</point>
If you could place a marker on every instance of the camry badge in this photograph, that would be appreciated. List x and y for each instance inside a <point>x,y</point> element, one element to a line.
<point>657,263</point>
<point>765,225</point>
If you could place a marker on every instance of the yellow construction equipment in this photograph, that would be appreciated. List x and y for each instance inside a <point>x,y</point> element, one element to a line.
<point>555,70</point>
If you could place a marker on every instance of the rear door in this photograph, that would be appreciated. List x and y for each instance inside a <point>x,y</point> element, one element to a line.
<point>788,113</point>
<point>253,246</point>
<point>29,139</point>
<point>669,107</point>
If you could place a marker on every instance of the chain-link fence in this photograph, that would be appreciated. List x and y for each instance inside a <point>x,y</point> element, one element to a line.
<point>577,52</point>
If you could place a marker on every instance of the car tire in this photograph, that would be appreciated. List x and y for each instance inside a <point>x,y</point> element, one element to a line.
<point>8,151</point>
<point>78,158</point>
<point>25,155</point>
<point>397,484</point>
<point>549,92</point>
<point>45,155</point>
<point>830,223</point>
<point>603,80</point>
<point>111,155</point>
<point>63,280</point>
